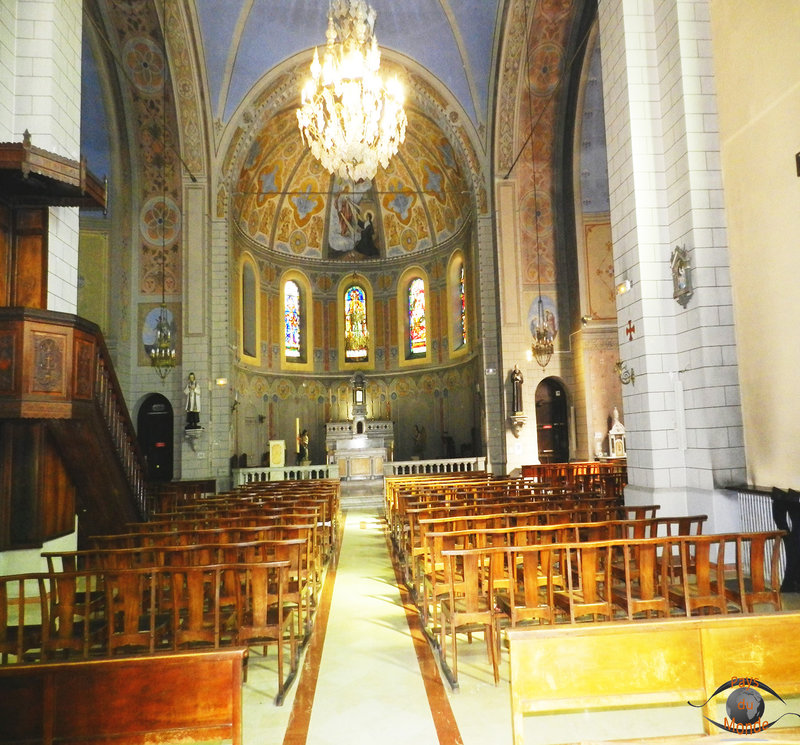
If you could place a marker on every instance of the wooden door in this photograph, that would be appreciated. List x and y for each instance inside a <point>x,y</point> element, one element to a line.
<point>551,422</point>
<point>155,435</point>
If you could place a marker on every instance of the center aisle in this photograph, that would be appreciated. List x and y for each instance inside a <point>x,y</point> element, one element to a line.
<point>369,687</point>
<point>368,674</point>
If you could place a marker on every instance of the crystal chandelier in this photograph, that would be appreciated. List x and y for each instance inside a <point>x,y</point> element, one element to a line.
<point>542,344</point>
<point>162,353</point>
<point>350,119</point>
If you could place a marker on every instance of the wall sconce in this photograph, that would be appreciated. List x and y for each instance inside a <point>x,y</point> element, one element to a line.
<point>221,382</point>
<point>623,287</point>
<point>625,375</point>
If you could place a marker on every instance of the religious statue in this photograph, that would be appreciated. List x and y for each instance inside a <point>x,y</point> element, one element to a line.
<point>616,437</point>
<point>420,438</point>
<point>192,407</point>
<point>516,390</point>
<point>302,447</point>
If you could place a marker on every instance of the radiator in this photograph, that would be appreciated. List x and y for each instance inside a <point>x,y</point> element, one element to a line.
<point>755,513</point>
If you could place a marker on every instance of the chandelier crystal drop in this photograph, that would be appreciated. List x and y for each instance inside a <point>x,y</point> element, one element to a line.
<point>351,120</point>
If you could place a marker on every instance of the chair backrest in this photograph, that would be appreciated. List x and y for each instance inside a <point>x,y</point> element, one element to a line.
<point>23,625</point>
<point>131,598</point>
<point>758,569</point>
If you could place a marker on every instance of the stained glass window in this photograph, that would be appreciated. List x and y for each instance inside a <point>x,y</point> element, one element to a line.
<point>292,319</point>
<point>356,333</point>
<point>463,299</point>
<point>417,330</point>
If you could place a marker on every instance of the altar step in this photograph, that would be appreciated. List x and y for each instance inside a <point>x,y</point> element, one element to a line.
<point>363,495</point>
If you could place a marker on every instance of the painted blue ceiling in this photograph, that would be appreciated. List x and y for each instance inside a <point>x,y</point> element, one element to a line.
<point>243,39</point>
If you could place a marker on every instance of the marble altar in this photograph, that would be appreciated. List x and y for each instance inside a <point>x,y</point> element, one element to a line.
<point>359,447</point>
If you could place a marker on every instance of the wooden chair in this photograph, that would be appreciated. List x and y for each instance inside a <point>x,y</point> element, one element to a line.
<point>588,571</point>
<point>527,597</point>
<point>758,570</point>
<point>701,588</point>
<point>77,623</point>
<point>469,605</point>
<point>297,591</point>
<point>196,617</point>
<point>309,572</point>
<point>645,578</point>
<point>23,625</point>
<point>263,618</point>
<point>435,577</point>
<point>135,621</point>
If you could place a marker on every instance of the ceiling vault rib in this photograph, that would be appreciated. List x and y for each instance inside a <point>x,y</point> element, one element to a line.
<point>462,51</point>
<point>230,63</point>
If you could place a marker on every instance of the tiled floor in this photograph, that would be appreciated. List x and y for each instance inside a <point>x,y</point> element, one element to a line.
<point>368,675</point>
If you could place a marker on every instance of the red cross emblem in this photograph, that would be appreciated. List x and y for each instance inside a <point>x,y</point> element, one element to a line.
<point>630,330</point>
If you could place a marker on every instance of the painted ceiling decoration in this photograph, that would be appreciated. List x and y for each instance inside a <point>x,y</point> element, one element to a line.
<point>242,39</point>
<point>231,96</point>
<point>285,201</point>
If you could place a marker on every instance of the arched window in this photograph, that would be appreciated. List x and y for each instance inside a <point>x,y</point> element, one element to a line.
<point>462,296</point>
<point>249,311</point>
<point>416,330</point>
<point>417,327</point>
<point>292,318</point>
<point>356,329</point>
<point>296,329</point>
<point>457,301</point>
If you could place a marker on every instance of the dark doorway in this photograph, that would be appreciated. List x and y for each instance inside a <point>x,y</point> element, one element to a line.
<point>551,422</point>
<point>155,425</point>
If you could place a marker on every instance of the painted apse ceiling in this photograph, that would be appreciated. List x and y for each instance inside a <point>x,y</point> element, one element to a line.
<point>281,198</point>
<point>285,201</point>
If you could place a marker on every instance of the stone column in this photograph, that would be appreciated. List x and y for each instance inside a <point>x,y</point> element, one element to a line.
<point>682,411</point>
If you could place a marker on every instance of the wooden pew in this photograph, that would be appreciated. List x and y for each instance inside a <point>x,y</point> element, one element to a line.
<point>600,666</point>
<point>193,696</point>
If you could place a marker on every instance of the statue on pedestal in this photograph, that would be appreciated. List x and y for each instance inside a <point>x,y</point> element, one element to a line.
<point>192,406</point>
<point>516,390</point>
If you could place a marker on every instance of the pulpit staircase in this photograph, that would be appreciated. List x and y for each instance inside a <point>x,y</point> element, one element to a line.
<point>67,444</point>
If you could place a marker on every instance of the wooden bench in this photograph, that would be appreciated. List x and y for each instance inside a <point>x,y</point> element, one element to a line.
<point>599,666</point>
<point>127,701</point>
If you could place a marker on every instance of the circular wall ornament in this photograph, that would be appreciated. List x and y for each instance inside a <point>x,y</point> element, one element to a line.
<point>144,61</point>
<point>160,221</point>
